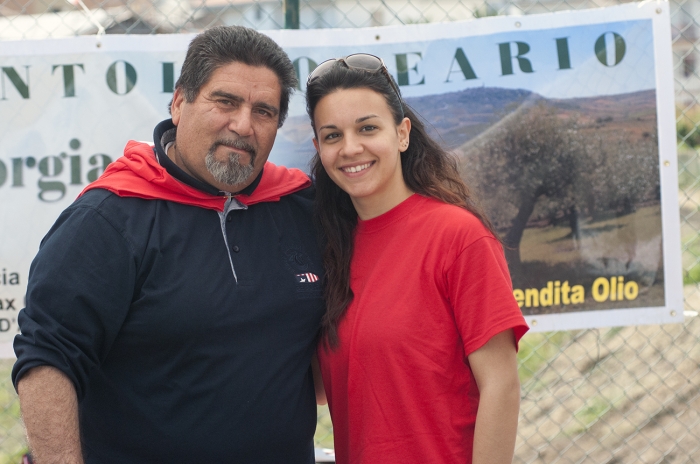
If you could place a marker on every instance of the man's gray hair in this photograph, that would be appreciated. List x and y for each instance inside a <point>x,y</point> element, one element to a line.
<point>221,45</point>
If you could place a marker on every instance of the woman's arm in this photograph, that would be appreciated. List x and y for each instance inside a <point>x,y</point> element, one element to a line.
<point>318,381</point>
<point>495,369</point>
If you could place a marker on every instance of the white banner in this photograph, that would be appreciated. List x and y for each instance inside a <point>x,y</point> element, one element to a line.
<point>601,244</point>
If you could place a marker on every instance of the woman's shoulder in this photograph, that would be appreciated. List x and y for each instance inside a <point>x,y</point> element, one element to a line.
<point>449,215</point>
<point>450,221</point>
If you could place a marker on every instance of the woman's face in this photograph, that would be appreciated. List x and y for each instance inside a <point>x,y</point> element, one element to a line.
<point>360,147</point>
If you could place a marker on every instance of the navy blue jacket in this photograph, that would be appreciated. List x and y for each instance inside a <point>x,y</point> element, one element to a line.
<point>175,359</point>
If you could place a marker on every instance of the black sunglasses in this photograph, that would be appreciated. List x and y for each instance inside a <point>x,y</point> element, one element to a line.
<point>361,61</point>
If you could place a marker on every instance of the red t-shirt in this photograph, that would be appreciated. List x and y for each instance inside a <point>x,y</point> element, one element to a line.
<point>431,286</point>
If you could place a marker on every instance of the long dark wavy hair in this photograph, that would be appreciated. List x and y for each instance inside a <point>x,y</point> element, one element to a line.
<point>427,170</point>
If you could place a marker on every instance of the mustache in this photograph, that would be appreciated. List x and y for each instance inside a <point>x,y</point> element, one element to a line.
<point>237,144</point>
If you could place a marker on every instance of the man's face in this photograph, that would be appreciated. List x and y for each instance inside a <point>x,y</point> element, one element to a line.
<point>225,135</point>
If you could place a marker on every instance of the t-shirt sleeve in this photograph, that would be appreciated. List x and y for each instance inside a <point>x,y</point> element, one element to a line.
<point>79,290</point>
<point>481,294</point>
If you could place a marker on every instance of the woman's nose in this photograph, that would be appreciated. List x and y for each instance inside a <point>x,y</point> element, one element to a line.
<point>351,146</point>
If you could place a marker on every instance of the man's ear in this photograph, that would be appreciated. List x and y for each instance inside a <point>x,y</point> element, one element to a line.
<point>176,106</point>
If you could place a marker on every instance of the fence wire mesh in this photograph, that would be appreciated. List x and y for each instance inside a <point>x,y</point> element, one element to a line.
<point>618,395</point>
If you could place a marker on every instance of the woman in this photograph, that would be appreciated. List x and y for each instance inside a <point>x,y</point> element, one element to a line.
<point>418,356</point>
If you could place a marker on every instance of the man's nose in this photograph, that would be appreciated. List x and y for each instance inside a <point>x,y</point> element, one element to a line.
<point>241,122</point>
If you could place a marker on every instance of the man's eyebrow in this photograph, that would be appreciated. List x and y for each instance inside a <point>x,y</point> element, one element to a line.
<point>229,96</point>
<point>238,99</point>
<point>272,109</point>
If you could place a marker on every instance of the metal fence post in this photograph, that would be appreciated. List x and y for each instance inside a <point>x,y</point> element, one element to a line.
<point>291,14</point>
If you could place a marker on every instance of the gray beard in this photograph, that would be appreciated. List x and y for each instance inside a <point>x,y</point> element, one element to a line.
<point>230,172</point>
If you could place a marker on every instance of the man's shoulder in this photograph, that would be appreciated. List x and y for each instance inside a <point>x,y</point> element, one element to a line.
<point>307,193</point>
<point>103,200</point>
<point>303,200</point>
<point>100,206</point>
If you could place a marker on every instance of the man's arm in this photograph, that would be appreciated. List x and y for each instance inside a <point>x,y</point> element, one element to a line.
<point>495,369</point>
<point>50,412</point>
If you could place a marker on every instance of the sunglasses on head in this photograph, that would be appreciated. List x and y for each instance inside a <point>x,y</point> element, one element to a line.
<point>361,61</point>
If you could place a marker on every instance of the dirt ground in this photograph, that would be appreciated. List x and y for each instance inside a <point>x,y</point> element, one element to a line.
<point>624,395</point>
<point>620,395</point>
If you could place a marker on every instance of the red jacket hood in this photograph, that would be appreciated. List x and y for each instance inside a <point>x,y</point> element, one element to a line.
<point>138,174</point>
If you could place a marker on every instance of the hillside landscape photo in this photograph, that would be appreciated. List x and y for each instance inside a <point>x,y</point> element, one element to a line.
<point>571,185</point>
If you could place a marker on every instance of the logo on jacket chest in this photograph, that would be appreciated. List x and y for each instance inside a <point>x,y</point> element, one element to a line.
<point>306,277</point>
<point>301,266</point>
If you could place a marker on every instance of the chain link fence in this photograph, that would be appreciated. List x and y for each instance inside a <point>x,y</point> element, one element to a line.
<point>617,395</point>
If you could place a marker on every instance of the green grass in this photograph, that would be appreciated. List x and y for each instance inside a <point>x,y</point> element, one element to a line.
<point>688,167</point>
<point>692,275</point>
<point>536,352</point>
<point>12,440</point>
<point>324,428</point>
<point>611,332</point>
<point>691,250</point>
<point>587,415</point>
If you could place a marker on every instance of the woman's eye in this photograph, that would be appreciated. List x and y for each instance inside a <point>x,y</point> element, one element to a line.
<point>367,128</point>
<point>331,136</point>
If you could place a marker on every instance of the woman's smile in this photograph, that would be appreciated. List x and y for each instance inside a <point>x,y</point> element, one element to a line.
<point>356,169</point>
<point>359,144</point>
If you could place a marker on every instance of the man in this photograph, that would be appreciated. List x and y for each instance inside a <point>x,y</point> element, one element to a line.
<point>172,310</point>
